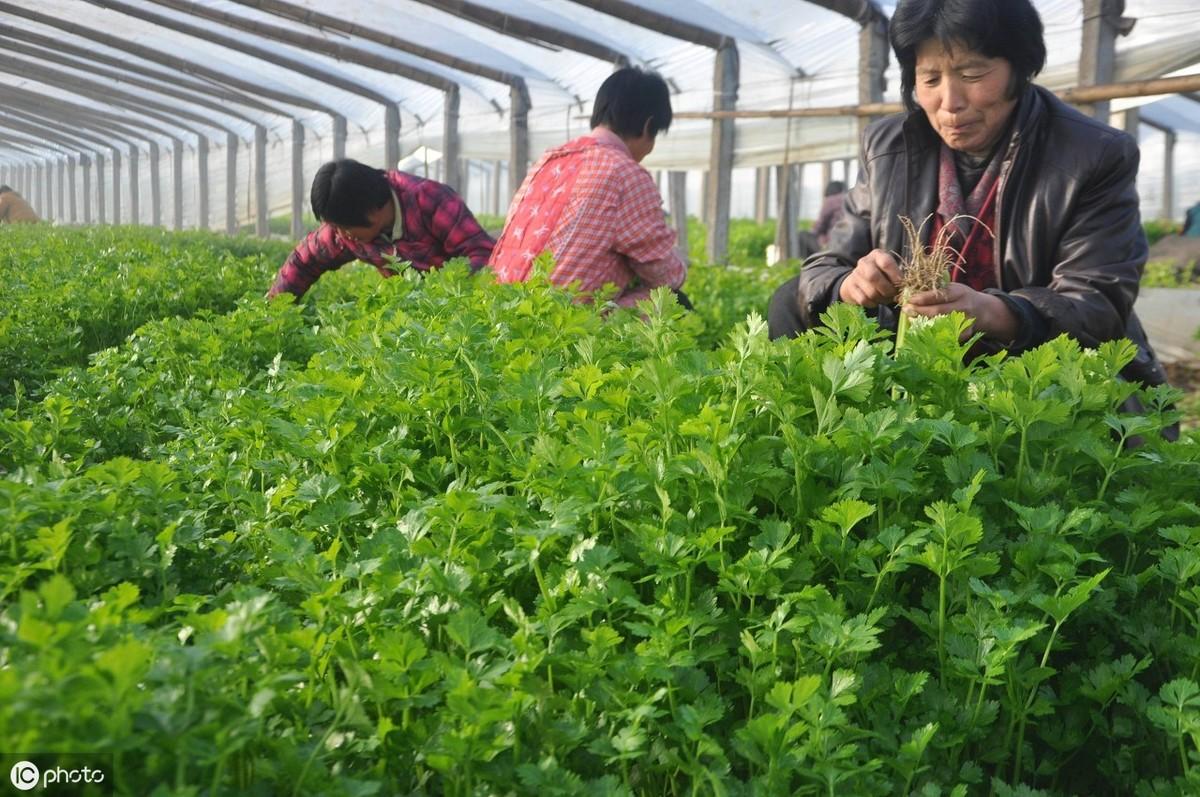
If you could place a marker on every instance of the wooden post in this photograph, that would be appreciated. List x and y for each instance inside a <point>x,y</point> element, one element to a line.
<point>155,187</point>
<point>297,179</point>
<point>231,148</point>
<point>391,136</point>
<point>518,157</point>
<point>705,204</point>
<point>677,189</point>
<point>1102,22</point>
<point>826,175</point>
<point>262,227</point>
<point>725,90</point>
<point>762,193</point>
<point>800,192</point>
<point>202,180</point>
<point>451,149</point>
<point>177,184</point>
<point>339,137</point>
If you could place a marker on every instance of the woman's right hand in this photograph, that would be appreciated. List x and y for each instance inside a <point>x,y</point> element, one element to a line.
<point>874,281</point>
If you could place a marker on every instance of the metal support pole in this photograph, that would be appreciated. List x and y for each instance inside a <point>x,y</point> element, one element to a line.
<point>73,206</point>
<point>231,147</point>
<point>496,209</point>
<point>1102,23</point>
<point>202,180</point>
<point>86,163</point>
<point>391,136</point>
<point>518,156</point>
<point>677,191</point>
<point>1168,211</point>
<point>177,184</point>
<point>116,186</point>
<point>762,193</point>
<point>786,239</point>
<point>725,91</point>
<point>48,198</point>
<point>135,186</point>
<point>100,188</point>
<point>262,226</point>
<point>451,148</point>
<point>297,179</point>
<point>873,52</point>
<point>155,187</point>
<point>339,137</point>
<point>60,169</point>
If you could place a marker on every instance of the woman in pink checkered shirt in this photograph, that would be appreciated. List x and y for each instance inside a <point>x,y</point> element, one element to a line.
<point>592,205</point>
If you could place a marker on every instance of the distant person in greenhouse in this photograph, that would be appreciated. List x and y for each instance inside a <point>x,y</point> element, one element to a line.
<point>832,208</point>
<point>1191,222</point>
<point>1047,236</point>
<point>591,204</point>
<point>14,209</point>
<point>372,215</point>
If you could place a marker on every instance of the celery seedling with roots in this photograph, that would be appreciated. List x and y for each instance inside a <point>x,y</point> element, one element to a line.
<point>927,267</point>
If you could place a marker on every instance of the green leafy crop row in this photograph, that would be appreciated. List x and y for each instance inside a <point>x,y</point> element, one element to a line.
<point>440,536</point>
<point>67,293</point>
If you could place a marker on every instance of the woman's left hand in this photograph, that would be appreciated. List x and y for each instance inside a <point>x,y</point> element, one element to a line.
<point>991,315</point>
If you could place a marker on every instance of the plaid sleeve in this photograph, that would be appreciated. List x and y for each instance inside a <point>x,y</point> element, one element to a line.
<point>451,222</point>
<point>643,235</point>
<point>318,252</point>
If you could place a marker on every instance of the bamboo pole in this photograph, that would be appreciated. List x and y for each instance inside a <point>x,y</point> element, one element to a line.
<point>1080,94</point>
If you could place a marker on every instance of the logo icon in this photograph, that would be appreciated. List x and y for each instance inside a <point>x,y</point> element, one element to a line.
<point>24,775</point>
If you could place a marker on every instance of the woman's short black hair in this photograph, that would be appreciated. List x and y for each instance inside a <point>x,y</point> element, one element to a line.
<point>344,191</point>
<point>4,189</point>
<point>1008,29</point>
<point>628,98</point>
<point>835,187</point>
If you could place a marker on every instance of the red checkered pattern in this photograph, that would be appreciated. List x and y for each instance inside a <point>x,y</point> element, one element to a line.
<point>437,226</point>
<point>600,213</point>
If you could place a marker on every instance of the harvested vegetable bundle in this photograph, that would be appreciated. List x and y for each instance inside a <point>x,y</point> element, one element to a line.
<point>928,268</point>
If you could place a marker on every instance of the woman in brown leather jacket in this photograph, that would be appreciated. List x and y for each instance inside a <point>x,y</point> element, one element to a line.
<point>1055,244</point>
